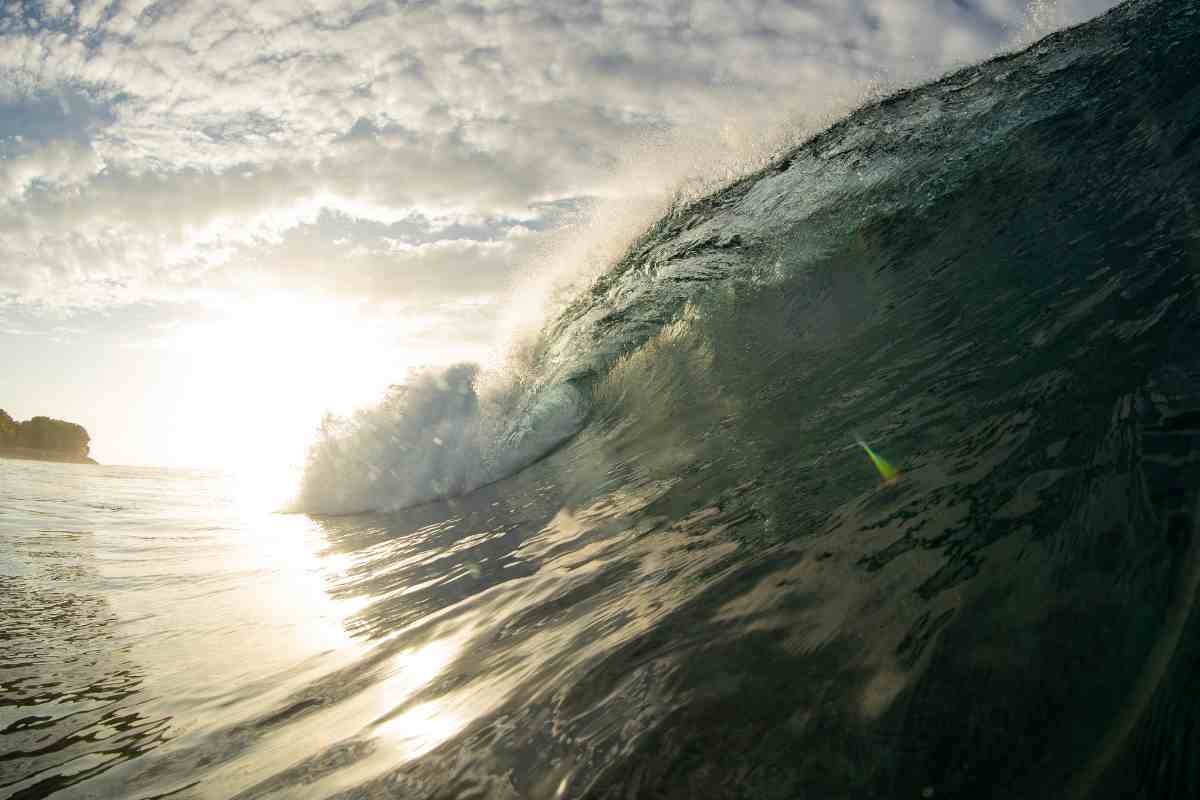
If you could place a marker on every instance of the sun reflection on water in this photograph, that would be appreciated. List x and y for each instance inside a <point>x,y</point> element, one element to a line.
<point>421,728</point>
<point>415,730</point>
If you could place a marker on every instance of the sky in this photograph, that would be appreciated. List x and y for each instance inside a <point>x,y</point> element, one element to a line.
<point>220,219</point>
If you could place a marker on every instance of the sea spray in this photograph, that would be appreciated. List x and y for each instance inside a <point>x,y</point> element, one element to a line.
<point>442,433</point>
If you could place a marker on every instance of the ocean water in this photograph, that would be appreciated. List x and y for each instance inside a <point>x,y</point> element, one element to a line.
<point>655,561</point>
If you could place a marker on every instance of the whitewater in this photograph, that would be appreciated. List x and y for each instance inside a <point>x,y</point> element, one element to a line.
<point>874,473</point>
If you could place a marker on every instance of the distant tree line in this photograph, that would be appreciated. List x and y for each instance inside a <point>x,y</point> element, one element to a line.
<point>44,433</point>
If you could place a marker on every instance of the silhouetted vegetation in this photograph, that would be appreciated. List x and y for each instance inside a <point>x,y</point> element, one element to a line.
<point>43,437</point>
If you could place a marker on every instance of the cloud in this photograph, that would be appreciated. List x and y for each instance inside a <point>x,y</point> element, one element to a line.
<point>62,164</point>
<point>152,150</point>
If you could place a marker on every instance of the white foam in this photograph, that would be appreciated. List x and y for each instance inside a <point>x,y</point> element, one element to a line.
<point>443,433</point>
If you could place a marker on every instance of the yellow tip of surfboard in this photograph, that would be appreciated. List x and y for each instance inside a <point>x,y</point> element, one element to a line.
<point>886,470</point>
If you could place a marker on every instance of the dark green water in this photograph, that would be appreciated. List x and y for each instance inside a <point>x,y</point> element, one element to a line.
<point>994,280</point>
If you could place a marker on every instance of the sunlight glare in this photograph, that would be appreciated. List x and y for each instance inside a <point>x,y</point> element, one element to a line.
<point>425,726</point>
<point>258,380</point>
<point>420,729</point>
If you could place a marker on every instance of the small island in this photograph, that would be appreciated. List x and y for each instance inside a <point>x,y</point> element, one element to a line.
<point>44,439</point>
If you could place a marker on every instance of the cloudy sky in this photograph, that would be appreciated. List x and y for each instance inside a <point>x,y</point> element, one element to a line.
<point>219,218</point>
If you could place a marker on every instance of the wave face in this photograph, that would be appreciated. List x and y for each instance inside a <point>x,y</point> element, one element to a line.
<point>1018,210</point>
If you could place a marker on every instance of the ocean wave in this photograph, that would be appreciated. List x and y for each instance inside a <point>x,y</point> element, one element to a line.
<point>896,219</point>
